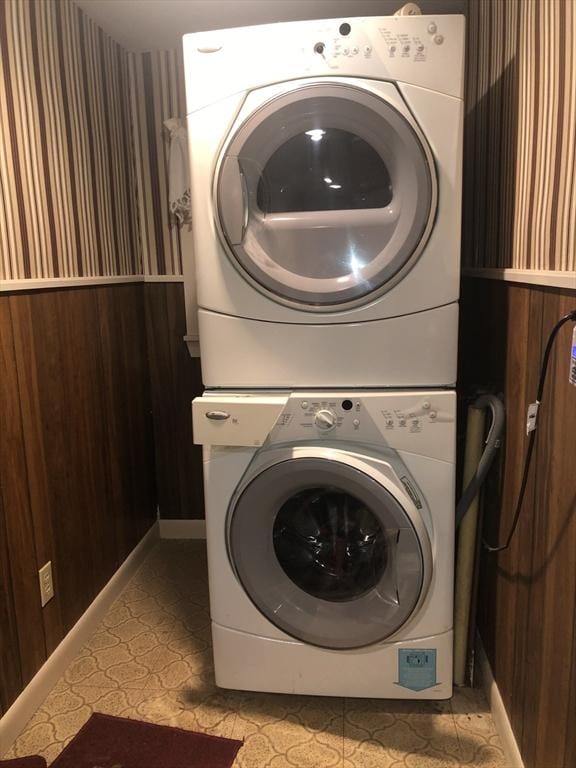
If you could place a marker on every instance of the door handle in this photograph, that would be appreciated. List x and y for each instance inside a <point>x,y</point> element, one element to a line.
<point>233,200</point>
<point>217,415</point>
<point>244,203</point>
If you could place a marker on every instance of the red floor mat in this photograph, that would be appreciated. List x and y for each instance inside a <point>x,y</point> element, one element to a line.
<point>115,742</point>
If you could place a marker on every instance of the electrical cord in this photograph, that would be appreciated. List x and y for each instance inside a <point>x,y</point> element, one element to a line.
<point>532,418</point>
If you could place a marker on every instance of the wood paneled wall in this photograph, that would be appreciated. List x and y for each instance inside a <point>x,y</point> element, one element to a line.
<point>76,459</point>
<point>175,379</point>
<point>527,600</point>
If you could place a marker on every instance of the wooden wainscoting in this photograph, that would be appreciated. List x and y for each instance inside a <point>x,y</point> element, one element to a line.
<point>76,459</point>
<point>527,599</point>
<point>175,380</point>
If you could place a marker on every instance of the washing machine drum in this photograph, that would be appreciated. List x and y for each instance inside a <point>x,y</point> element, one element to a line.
<point>324,194</point>
<point>326,553</point>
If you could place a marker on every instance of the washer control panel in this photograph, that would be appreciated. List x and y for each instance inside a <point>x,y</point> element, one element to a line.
<point>353,414</point>
<point>417,421</point>
<point>421,422</point>
<point>413,419</point>
<point>324,414</point>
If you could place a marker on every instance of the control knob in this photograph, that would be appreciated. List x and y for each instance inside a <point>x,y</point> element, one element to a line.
<point>325,419</point>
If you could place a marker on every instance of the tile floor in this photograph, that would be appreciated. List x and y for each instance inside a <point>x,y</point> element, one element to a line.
<point>150,659</point>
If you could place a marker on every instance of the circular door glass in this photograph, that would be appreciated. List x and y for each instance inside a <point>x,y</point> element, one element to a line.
<point>330,544</point>
<point>324,194</point>
<point>327,170</point>
<point>326,553</point>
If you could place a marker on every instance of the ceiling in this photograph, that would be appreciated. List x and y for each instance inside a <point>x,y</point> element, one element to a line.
<point>143,25</point>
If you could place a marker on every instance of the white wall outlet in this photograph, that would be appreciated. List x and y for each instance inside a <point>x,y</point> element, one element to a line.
<point>46,583</point>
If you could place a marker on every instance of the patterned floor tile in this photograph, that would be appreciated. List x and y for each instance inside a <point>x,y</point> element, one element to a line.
<point>151,659</point>
<point>163,612</point>
<point>386,734</point>
<point>479,742</point>
<point>204,712</point>
<point>120,666</point>
<point>289,731</point>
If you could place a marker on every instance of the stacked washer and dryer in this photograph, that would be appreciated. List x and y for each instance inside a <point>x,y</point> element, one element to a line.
<point>326,199</point>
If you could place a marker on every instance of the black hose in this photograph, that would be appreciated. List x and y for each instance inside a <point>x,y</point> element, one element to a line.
<point>492,444</point>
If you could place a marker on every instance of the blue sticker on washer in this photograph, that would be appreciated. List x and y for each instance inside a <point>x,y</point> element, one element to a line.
<point>417,668</point>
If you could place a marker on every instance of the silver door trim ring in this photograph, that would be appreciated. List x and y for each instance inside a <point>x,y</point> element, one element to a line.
<point>389,276</point>
<point>363,621</point>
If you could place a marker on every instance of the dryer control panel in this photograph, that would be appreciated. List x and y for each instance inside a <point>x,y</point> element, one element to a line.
<point>427,51</point>
<point>421,422</point>
<point>412,42</point>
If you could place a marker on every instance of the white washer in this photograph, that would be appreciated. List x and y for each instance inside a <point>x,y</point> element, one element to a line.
<point>330,528</point>
<point>326,196</point>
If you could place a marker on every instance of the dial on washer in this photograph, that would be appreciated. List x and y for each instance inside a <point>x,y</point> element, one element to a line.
<point>325,419</point>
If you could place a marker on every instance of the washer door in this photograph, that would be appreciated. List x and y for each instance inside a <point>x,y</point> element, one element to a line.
<point>324,194</point>
<point>326,553</point>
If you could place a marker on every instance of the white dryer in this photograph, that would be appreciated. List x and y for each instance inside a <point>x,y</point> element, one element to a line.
<point>326,196</point>
<point>330,530</point>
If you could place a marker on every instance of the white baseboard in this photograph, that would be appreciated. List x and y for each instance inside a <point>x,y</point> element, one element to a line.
<point>15,719</point>
<point>163,278</point>
<point>182,529</point>
<point>499,714</point>
<point>33,284</point>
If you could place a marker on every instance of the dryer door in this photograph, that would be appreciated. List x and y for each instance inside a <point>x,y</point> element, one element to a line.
<point>326,553</point>
<point>325,193</point>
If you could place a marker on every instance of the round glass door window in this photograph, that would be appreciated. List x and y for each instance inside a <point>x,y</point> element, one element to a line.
<point>330,544</point>
<point>324,194</point>
<point>326,553</point>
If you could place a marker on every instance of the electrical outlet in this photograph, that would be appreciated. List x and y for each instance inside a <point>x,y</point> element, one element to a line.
<point>46,583</point>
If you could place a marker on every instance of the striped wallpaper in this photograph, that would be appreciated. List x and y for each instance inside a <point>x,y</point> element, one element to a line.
<point>157,93</point>
<point>520,140</point>
<point>83,153</point>
<point>66,168</point>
